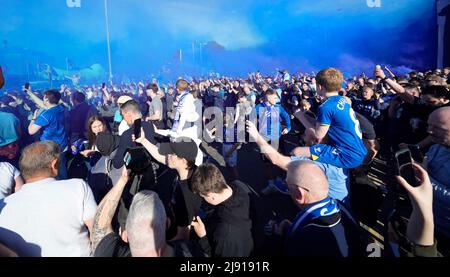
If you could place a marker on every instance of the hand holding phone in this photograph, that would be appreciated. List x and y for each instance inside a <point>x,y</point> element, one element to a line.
<point>404,166</point>
<point>137,127</point>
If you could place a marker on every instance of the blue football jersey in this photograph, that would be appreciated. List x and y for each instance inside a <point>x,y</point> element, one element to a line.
<point>345,132</point>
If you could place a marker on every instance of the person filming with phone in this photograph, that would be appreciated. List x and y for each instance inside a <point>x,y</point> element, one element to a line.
<point>140,180</point>
<point>420,241</point>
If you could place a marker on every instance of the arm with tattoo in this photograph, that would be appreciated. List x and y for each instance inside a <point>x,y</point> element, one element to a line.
<point>105,211</point>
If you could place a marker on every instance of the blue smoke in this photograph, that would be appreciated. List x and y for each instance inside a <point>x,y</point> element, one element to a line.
<point>230,37</point>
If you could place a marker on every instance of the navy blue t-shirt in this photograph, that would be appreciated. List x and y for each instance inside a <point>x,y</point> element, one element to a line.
<point>52,122</point>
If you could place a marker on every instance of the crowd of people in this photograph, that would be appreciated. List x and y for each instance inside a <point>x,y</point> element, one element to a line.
<point>81,166</point>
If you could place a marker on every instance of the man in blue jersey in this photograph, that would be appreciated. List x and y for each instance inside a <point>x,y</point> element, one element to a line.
<point>272,117</point>
<point>52,122</point>
<point>337,134</point>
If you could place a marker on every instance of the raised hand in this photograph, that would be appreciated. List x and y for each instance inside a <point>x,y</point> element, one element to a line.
<point>199,226</point>
<point>140,139</point>
<point>251,129</point>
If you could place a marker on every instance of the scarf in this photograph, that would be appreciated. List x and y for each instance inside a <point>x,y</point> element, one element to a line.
<point>177,112</point>
<point>326,207</point>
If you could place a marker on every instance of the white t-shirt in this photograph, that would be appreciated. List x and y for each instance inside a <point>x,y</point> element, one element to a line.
<point>123,126</point>
<point>8,174</point>
<point>46,218</point>
<point>188,109</point>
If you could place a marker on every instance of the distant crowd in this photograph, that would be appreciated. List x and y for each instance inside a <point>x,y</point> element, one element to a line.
<point>81,166</point>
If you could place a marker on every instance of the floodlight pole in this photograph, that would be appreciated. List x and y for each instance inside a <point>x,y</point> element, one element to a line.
<point>108,41</point>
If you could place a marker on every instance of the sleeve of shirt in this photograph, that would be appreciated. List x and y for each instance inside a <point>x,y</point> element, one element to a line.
<point>324,115</point>
<point>150,133</point>
<point>159,106</point>
<point>7,181</point>
<point>41,120</point>
<point>118,158</point>
<point>286,118</point>
<point>16,172</point>
<point>112,246</point>
<point>257,108</point>
<point>89,204</point>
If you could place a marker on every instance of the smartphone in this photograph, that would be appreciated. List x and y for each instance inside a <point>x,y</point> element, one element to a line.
<point>405,167</point>
<point>137,128</point>
<point>247,137</point>
<point>416,154</point>
<point>127,159</point>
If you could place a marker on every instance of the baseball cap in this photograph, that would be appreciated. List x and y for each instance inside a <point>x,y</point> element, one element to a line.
<point>123,99</point>
<point>183,147</point>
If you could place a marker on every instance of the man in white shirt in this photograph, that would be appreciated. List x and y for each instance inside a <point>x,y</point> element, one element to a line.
<point>185,113</point>
<point>10,180</point>
<point>123,126</point>
<point>47,217</point>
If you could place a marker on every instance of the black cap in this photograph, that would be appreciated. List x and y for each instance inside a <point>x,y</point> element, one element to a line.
<point>183,147</point>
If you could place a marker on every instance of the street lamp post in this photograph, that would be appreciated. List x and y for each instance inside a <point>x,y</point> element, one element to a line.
<point>108,41</point>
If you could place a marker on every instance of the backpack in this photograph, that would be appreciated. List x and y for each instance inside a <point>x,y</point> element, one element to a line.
<point>77,168</point>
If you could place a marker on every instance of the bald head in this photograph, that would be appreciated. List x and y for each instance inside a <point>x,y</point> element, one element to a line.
<point>439,126</point>
<point>307,182</point>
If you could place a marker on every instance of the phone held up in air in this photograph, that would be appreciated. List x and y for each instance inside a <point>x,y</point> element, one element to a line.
<point>404,166</point>
<point>137,128</point>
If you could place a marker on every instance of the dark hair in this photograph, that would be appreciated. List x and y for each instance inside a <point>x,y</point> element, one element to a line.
<point>152,87</point>
<point>270,92</point>
<point>410,87</point>
<point>53,96</point>
<point>190,165</point>
<point>91,136</point>
<point>182,85</point>
<point>78,97</point>
<point>132,106</point>
<point>206,179</point>
<point>437,91</point>
<point>195,93</point>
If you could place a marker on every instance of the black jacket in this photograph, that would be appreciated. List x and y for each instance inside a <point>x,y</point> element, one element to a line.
<point>78,120</point>
<point>229,226</point>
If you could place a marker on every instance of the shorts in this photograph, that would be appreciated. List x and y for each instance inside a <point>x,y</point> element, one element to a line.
<point>329,154</point>
<point>231,161</point>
